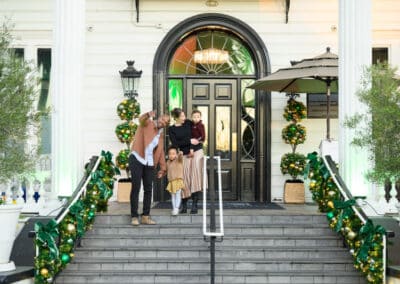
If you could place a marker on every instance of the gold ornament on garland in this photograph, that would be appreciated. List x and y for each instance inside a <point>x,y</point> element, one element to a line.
<point>71,228</point>
<point>44,272</point>
<point>351,235</point>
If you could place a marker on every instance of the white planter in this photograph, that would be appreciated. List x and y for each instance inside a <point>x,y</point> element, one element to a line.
<point>9,215</point>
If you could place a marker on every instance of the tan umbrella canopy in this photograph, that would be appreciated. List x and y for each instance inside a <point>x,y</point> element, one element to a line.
<point>311,75</point>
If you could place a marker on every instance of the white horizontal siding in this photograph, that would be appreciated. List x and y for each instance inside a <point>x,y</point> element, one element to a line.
<point>113,36</point>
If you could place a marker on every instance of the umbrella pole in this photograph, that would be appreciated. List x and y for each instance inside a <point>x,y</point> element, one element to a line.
<point>328,109</point>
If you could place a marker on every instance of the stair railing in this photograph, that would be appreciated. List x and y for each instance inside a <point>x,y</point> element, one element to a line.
<point>212,235</point>
<point>345,192</point>
<point>79,191</point>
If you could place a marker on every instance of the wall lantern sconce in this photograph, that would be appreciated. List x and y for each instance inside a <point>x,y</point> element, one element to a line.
<point>130,79</point>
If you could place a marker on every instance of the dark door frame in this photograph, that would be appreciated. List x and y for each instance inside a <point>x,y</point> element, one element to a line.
<point>262,67</point>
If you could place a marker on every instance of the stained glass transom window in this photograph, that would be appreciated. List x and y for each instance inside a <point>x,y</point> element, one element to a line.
<point>239,61</point>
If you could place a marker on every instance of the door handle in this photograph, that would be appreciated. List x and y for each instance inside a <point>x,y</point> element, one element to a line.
<point>234,142</point>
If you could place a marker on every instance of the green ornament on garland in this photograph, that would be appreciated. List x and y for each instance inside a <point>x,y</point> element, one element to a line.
<point>91,214</point>
<point>65,258</point>
<point>330,215</point>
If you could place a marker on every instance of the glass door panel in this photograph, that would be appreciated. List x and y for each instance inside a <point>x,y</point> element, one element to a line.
<point>223,131</point>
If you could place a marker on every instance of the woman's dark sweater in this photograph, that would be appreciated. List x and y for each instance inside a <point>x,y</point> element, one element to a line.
<point>180,136</point>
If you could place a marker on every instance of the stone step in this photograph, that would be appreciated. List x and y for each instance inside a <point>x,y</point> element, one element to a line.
<point>222,265</point>
<point>243,253</point>
<point>230,229</point>
<point>197,240</point>
<point>200,277</point>
<point>274,248</point>
<point>228,219</point>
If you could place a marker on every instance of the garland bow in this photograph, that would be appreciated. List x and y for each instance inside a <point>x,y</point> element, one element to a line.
<point>47,235</point>
<point>367,232</point>
<point>345,213</point>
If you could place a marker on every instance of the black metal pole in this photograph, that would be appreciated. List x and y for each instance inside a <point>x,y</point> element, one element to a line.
<point>212,229</point>
<point>328,112</point>
<point>212,259</point>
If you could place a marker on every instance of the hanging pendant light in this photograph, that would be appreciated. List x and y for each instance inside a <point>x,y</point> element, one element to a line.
<point>211,55</point>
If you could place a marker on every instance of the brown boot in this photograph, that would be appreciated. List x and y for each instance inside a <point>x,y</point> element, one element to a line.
<point>135,221</point>
<point>146,220</point>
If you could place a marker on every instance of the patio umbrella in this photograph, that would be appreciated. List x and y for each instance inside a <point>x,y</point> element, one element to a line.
<point>312,75</point>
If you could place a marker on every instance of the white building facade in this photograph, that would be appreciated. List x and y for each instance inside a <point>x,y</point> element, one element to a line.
<point>90,41</point>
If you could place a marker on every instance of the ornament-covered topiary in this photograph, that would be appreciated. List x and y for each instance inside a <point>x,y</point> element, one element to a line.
<point>122,159</point>
<point>128,109</point>
<point>293,164</point>
<point>295,111</point>
<point>294,134</point>
<point>126,131</point>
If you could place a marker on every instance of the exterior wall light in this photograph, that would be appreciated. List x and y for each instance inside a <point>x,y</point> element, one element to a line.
<point>130,79</point>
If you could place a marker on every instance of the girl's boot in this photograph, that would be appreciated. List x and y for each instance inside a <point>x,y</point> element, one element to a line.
<point>184,206</point>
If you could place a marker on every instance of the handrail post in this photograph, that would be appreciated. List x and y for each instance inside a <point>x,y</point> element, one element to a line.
<point>384,258</point>
<point>212,234</point>
<point>212,230</point>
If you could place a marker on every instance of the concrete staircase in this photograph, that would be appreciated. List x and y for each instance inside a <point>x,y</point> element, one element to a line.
<point>255,249</point>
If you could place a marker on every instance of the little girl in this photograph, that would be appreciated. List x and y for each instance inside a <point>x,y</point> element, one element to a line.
<point>175,177</point>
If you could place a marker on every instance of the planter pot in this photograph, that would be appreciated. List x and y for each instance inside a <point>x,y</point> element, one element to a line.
<point>9,215</point>
<point>124,190</point>
<point>294,192</point>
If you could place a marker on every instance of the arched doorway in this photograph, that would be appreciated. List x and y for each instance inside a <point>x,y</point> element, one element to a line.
<point>229,56</point>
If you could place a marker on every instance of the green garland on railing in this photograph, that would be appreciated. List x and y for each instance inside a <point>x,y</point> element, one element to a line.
<point>56,242</point>
<point>364,241</point>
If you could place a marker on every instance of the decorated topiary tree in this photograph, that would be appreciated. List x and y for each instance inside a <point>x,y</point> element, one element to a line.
<point>127,110</point>
<point>293,163</point>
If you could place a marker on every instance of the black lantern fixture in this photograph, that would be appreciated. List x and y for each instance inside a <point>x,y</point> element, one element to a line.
<point>130,79</point>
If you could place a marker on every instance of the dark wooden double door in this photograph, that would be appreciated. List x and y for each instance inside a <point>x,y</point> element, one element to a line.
<point>217,99</point>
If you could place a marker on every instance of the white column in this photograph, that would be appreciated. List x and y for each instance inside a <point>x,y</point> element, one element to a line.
<point>354,54</point>
<point>66,84</point>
